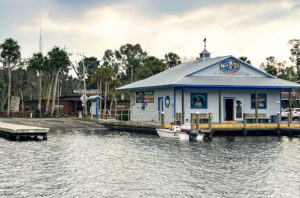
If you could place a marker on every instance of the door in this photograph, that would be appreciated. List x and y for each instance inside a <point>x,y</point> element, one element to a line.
<point>160,106</point>
<point>229,110</point>
<point>239,109</point>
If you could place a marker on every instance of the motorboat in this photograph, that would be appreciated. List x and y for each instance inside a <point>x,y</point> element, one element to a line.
<point>180,132</point>
<point>174,132</point>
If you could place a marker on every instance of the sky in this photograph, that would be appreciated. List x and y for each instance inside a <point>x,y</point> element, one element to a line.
<point>253,28</point>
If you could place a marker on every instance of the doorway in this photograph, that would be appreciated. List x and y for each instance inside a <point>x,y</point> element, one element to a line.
<point>229,111</point>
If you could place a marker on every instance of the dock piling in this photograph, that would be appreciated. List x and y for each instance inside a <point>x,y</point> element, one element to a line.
<point>278,123</point>
<point>162,119</point>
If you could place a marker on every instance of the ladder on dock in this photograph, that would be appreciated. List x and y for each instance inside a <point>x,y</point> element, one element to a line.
<point>16,131</point>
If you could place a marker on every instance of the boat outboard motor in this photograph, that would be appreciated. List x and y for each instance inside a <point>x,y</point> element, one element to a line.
<point>193,135</point>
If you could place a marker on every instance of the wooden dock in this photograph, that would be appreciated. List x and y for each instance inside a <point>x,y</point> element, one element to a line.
<point>15,131</point>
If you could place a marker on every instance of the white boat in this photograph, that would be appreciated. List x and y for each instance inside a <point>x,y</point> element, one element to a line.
<point>177,132</point>
<point>169,133</point>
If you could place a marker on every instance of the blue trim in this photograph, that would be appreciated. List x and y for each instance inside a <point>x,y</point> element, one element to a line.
<point>162,108</point>
<point>280,107</point>
<point>224,107</point>
<point>174,103</point>
<point>205,94</point>
<point>283,88</point>
<point>262,94</point>
<point>236,59</point>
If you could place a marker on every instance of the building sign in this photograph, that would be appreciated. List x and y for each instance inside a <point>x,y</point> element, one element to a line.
<point>88,91</point>
<point>144,97</point>
<point>229,66</point>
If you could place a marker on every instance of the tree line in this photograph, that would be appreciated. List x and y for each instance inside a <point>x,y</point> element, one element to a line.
<point>46,77</point>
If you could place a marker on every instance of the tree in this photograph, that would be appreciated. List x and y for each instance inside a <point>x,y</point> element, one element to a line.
<point>171,59</point>
<point>278,69</point>
<point>131,57</point>
<point>245,59</point>
<point>271,66</point>
<point>37,64</point>
<point>97,78</point>
<point>58,59</point>
<point>10,55</point>
<point>295,55</point>
<point>108,76</point>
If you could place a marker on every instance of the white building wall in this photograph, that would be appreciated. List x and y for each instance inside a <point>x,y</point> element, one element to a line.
<point>273,102</point>
<point>151,112</point>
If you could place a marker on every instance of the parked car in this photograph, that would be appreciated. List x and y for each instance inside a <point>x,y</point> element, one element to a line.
<point>295,113</point>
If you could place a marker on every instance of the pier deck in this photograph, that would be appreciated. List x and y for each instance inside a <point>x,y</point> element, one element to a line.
<point>16,131</point>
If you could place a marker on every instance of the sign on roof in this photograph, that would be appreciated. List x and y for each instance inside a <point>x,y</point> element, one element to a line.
<point>229,66</point>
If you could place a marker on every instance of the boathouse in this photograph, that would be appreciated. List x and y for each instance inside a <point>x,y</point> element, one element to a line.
<point>224,86</point>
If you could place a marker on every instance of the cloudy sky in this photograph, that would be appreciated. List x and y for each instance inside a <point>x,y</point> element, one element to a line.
<point>251,28</point>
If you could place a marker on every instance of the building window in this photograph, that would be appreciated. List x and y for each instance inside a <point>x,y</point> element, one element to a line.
<point>261,101</point>
<point>198,101</point>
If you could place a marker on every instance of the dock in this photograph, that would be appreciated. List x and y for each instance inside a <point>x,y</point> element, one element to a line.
<point>17,132</point>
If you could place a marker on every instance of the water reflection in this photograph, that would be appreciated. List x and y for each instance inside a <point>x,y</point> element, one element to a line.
<point>94,163</point>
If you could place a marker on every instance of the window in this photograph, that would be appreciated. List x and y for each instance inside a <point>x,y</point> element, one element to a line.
<point>198,101</point>
<point>261,101</point>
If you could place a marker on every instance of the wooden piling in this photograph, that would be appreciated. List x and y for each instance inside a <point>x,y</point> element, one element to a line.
<point>244,126</point>
<point>256,107</point>
<point>278,123</point>
<point>162,119</point>
<point>197,121</point>
<point>210,116</point>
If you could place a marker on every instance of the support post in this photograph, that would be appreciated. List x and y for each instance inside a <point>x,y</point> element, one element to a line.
<point>210,121</point>
<point>256,107</point>
<point>290,110</point>
<point>182,106</point>
<point>121,114</point>
<point>162,119</point>
<point>245,122</point>
<point>220,107</point>
<point>96,109</point>
<point>278,123</point>
<point>197,121</point>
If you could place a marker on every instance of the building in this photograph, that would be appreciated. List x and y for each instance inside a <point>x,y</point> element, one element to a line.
<point>224,86</point>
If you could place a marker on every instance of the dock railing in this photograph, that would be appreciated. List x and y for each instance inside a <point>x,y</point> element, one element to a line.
<point>127,115</point>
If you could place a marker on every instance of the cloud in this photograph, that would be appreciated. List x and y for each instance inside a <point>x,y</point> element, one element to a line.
<point>254,29</point>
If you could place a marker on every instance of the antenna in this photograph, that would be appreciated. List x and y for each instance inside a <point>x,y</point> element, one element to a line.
<point>204,43</point>
<point>40,40</point>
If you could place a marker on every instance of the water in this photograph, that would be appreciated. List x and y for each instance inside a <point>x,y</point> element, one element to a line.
<point>112,164</point>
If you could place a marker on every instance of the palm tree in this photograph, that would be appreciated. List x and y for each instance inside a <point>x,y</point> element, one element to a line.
<point>108,75</point>
<point>114,84</point>
<point>10,54</point>
<point>58,59</point>
<point>97,78</point>
<point>37,64</point>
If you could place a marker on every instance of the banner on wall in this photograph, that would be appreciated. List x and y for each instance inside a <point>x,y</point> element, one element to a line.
<point>145,97</point>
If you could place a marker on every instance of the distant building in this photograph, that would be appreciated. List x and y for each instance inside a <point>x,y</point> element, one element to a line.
<point>224,86</point>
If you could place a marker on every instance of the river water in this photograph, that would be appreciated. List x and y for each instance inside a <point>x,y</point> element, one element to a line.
<point>113,164</point>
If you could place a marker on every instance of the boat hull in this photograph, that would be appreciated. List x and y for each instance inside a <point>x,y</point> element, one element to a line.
<point>166,133</point>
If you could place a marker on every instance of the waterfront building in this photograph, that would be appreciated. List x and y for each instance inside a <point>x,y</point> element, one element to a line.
<point>224,86</point>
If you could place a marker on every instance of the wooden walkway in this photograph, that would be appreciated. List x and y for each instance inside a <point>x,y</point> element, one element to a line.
<point>15,131</point>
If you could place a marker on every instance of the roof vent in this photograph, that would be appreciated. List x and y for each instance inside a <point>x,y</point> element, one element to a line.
<point>204,55</point>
